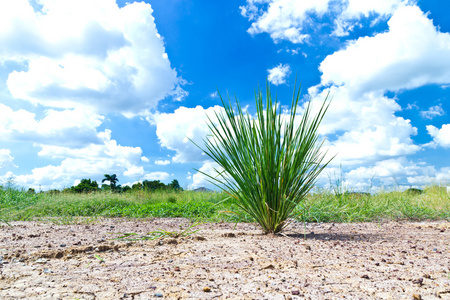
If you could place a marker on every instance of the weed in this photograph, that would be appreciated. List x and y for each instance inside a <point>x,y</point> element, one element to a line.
<point>269,163</point>
<point>161,233</point>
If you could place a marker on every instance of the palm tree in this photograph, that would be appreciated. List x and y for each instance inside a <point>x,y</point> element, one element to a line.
<point>112,181</point>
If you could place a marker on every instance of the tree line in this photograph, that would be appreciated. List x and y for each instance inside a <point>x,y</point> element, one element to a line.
<point>110,183</point>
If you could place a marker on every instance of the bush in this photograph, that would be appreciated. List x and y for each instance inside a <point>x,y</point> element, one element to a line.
<point>269,163</point>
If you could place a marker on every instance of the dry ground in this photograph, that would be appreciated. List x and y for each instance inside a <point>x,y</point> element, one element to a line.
<point>392,260</point>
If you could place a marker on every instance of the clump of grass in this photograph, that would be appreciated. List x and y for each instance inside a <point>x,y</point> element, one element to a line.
<point>160,233</point>
<point>269,163</point>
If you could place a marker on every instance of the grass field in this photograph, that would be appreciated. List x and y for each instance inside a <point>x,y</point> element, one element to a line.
<point>322,206</point>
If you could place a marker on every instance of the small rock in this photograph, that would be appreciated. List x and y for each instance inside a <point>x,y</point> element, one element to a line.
<point>207,289</point>
<point>63,245</point>
<point>41,261</point>
<point>271,267</point>
<point>365,276</point>
<point>158,295</point>
<point>172,242</point>
<point>417,297</point>
<point>229,235</point>
<point>296,292</point>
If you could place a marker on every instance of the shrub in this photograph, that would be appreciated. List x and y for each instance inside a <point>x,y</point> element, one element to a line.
<point>269,163</point>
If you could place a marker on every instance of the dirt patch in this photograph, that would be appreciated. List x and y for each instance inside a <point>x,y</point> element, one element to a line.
<point>225,261</point>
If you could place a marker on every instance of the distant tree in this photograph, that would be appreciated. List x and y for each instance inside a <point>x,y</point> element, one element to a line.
<point>112,181</point>
<point>153,185</point>
<point>137,186</point>
<point>85,186</point>
<point>56,192</point>
<point>31,191</point>
<point>126,189</point>
<point>175,185</point>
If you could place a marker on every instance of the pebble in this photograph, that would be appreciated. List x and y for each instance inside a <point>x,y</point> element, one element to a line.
<point>62,245</point>
<point>41,261</point>
<point>158,295</point>
<point>207,289</point>
<point>296,292</point>
<point>417,297</point>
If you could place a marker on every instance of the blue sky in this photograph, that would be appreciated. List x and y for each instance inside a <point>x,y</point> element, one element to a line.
<point>89,88</point>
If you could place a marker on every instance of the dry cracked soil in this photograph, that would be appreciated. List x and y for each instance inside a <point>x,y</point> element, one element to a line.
<point>387,260</point>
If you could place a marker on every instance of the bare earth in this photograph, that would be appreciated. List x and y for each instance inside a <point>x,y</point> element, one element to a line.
<point>392,260</point>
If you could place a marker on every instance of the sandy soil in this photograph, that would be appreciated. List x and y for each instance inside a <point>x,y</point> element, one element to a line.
<point>222,261</point>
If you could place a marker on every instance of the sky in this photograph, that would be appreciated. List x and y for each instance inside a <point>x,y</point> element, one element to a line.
<point>89,88</point>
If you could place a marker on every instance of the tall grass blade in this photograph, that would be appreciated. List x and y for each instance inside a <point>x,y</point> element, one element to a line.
<point>270,164</point>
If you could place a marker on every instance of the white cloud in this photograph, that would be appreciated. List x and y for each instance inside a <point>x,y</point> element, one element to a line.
<point>391,172</point>
<point>356,8</point>
<point>284,19</point>
<point>176,130</point>
<point>134,171</point>
<point>6,160</point>
<point>75,128</point>
<point>161,176</point>
<point>200,180</point>
<point>145,159</point>
<point>292,20</point>
<point>411,54</point>
<point>108,58</point>
<point>443,176</point>
<point>441,137</point>
<point>162,162</point>
<point>434,111</point>
<point>278,74</point>
<point>366,128</point>
<point>87,162</point>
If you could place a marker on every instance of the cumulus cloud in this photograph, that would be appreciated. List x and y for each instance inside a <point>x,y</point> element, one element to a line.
<point>88,162</point>
<point>278,74</point>
<point>74,128</point>
<point>293,20</point>
<point>6,160</point>
<point>411,54</point>
<point>441,137</point>
<point>162,162</point>
<point>391,172</point>
<point>443,176</point>
<point>361,118</point>
<point>284,19</point>
<point>434,111</point>
<point>365,129</point>
<point>161,176</point>
<point>107,58</point>
<point>199,179</point>
<point>176,130</point>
